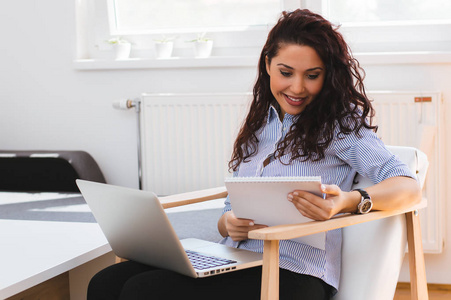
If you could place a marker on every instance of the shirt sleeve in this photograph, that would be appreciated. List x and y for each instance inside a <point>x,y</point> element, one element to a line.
<point>367,155</point>
<point>227,205</point>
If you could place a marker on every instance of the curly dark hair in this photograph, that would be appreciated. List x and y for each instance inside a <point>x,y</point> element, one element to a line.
<point>341,102</point>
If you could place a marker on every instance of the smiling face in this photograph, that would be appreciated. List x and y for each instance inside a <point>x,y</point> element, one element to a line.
<point>296,77</point>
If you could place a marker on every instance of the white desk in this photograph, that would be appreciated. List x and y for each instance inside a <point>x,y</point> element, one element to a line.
<point>32,252</point>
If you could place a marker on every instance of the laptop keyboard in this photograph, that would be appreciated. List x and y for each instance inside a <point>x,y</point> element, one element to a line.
<point>204,261</point>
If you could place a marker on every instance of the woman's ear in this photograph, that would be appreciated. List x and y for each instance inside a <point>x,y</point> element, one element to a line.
<point>267,62</point>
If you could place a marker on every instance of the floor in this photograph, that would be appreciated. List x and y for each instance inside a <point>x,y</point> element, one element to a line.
<point>436,292</point>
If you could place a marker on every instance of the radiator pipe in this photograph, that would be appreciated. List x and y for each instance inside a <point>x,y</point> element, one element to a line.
<point>127,104</point>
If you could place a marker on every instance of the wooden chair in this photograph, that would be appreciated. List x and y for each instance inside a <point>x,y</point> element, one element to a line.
<point>352,270</point>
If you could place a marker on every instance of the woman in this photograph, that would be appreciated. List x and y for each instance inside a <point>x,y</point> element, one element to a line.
<point>310,116</point>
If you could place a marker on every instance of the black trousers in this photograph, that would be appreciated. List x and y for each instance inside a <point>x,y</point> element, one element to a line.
<point>131,280</point>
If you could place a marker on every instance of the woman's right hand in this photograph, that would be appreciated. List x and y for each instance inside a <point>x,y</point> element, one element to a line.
<point>236,228</point>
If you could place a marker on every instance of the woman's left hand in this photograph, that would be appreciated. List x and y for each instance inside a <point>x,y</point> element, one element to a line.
<point>318,208</point>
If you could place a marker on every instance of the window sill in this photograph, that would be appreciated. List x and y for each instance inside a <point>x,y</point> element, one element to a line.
<point>393,58</point>
<point>369,58</point>
<point>166,63</point>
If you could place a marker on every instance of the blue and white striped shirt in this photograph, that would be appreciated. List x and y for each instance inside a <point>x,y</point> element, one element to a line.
<point>345,156</point>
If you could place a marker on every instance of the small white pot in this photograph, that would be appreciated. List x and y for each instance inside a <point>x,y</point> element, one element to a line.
<point>164,50</point>
<point>203,48</point>
<point>122,50</point>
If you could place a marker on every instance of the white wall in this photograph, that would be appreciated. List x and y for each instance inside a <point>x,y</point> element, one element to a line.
<point>47,104</point>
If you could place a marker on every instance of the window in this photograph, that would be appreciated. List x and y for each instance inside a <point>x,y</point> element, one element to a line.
<point>390,26</point>
<point>177,16</point>
<point>351,11</point>
<point>240,27</point>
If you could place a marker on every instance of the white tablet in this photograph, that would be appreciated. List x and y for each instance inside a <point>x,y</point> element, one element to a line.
<point>264,200</point>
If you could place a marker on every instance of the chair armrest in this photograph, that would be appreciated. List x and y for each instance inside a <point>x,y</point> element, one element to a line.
<point>193,197</point>
<point>272,235</point>
<point>291,231</point>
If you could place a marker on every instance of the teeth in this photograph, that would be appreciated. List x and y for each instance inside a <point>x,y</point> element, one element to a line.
<point>295,99</point>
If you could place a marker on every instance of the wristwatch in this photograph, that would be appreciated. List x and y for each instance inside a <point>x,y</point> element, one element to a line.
<point>365,204</point>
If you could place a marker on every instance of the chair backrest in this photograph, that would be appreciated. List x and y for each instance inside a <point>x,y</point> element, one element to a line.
<point>373,252</point>
<point>46,170</point>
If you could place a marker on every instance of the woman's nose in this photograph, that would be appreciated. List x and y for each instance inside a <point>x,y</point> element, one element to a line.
<point>297,86</point>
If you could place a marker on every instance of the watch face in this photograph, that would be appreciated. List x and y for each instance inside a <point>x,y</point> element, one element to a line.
<point>366,206</point>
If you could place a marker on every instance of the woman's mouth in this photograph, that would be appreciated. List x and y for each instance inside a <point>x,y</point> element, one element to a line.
<point>295,100</point>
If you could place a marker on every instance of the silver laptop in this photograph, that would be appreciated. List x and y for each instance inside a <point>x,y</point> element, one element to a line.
<point>137,228</point>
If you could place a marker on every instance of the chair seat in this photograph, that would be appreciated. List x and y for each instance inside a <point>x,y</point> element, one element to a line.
<point>372,255</point>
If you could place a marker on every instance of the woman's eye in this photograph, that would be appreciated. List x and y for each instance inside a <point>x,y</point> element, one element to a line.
<point>311,76</point>
<point>286,74</point>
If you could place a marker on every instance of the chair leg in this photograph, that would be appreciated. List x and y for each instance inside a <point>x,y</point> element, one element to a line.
<point>270,273</point>
<point>418,282</point>
<point>119,259</point>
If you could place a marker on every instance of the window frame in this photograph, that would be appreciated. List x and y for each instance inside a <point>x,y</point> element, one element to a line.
<point>114,31</point>
<point>243,47</point>
<point>93,29</point>
<point>390,36</point>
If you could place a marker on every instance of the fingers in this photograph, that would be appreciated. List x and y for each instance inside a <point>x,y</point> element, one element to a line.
<point>308,206</point>
<point>238,229</point>
<point>315,207</point>
<point>331,189</point>
<point>233,220</point>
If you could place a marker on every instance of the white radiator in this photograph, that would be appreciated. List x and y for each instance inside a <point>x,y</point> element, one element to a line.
<point>187,139</point>
<point>186,142</point>
<point>416,119</point>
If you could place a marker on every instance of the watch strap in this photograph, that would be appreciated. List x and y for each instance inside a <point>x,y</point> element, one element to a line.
<point>365,203</point>
<point>363,193</point>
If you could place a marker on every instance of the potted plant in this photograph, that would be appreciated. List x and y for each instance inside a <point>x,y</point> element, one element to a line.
<point>202,45</point>
<point>121,47</point>
<point>164,46</point>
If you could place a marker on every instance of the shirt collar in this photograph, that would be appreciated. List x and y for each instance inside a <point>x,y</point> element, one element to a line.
<point>273,113</point>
